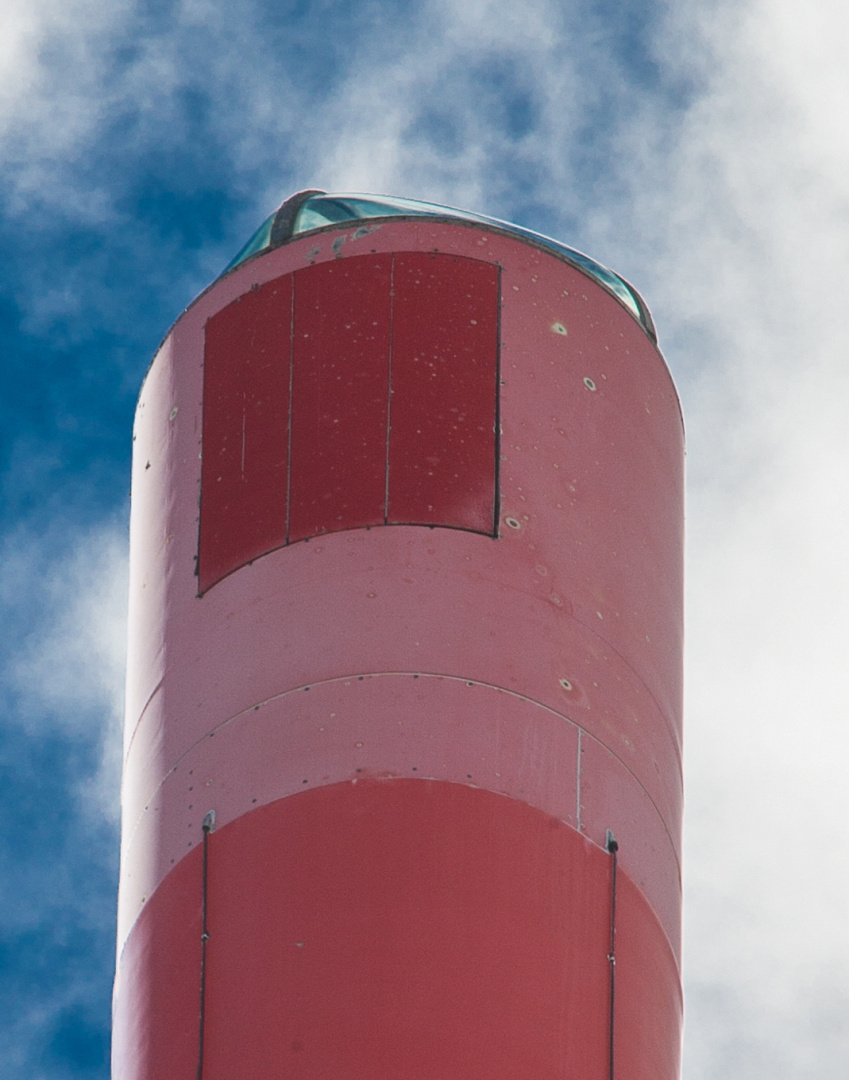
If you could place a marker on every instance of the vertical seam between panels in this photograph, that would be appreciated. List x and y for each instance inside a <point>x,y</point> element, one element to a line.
<point>578,784</point>
<point>389,388</point>
<point>291,405</point>
<point>200,591</point>
<point>612,846</point>
<point>204,938</point>
<point>496,501</point>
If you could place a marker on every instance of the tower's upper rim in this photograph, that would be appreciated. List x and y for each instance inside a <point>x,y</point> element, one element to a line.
<point>310,210</point>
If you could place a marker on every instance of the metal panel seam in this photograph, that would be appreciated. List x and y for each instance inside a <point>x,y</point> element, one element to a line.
<point>496,502</point>
<point>389,390</point>
<point>417,674</point>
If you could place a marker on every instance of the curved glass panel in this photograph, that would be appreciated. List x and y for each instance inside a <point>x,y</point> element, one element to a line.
<point>260,240</point>
<point>321,210</point>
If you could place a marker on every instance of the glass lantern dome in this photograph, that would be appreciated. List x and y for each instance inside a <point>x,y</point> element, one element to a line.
<point>309,211</point>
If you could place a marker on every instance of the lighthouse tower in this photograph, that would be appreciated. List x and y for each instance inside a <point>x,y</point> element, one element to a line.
<point>402,789</point>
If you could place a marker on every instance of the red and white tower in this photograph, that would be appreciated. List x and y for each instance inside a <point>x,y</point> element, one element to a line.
<point>402,789</point>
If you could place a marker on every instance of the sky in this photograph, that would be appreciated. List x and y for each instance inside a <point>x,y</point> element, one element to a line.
<point>701,149</point>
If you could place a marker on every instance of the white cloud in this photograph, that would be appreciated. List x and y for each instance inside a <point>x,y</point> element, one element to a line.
<point>743,231</point>
<point>78,75</point>
<point>65,600</point>
<point>52,98</point>
<point>428,111</point>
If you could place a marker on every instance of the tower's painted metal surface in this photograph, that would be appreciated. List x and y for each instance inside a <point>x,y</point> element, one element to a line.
<point>405,656</point>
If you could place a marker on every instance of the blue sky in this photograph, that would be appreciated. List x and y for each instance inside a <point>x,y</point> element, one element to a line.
<point>699,148</point>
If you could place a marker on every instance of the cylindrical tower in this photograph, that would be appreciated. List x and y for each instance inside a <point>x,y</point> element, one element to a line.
<point>402,789</point>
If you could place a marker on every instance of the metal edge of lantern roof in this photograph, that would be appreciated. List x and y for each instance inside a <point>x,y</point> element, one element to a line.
<point>313,211</point>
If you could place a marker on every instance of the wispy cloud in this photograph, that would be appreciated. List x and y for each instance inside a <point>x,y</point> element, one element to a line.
<point>749,232</point>
<point>64,598</point>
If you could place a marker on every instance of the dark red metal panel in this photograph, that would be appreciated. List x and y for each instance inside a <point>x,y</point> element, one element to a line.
<point>649,1009</point>
<point>396,928</point>
<point>156,1011</point>
<point>444,384</point>
<point>340,390</point>
<point>245,430</point>
<point>410,929</point>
